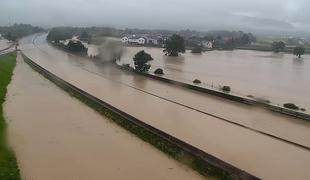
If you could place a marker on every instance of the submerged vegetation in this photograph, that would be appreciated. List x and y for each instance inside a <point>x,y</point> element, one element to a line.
<point>76,46</point>
<point>197,50</point>
<point>278,46</point>
<point>8,166</point>
<point>298,51</point>
<point>159,71</point>
<point>226,88</point>
<point>197,81</point>
<point>141,60</point>
<point>291,106</point>
<point>175,45</point>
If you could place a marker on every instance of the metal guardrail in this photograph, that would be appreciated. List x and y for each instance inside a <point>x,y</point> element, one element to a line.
<point>209,159</point>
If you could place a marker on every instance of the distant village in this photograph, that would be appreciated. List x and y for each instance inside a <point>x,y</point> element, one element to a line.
<point>211,40</point>
<point>159,41</point>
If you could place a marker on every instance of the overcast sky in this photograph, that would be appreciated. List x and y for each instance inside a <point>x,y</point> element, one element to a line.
<point>284,15</point>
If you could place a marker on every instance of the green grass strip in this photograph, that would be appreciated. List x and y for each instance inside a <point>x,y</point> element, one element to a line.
<point>8,165</point>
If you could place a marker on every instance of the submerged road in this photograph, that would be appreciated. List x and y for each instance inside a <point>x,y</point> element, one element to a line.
<point>52,143</point>
<point>167,108</point>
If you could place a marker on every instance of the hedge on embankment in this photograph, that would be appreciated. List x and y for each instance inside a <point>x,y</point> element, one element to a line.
<point>8,166</point>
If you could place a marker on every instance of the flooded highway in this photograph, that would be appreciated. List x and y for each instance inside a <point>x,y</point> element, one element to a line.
<point>57,137</point>
<point>4,44</point>
<point>261,155</point>
<point>280,78</point>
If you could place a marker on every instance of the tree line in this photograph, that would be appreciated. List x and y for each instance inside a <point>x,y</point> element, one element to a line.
<point>16,31</point>
<point>279,46</point>
<point>176,44</point>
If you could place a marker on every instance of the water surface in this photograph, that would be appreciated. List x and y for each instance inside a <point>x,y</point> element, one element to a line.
<point>280,78</point>
<point>56,137</point>
<point>261,155</point>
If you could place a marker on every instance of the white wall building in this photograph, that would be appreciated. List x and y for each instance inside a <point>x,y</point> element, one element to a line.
<point>152,41</point>
<point>208,44</point>
<point>133,40</point>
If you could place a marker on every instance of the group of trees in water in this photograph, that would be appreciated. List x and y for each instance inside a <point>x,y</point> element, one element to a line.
<point>76,46</point>
<point>64,33</point>
<point>176,44</point>
<point>279,46</point>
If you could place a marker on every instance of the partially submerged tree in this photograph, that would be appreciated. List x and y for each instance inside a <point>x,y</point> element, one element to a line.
<point>197,81</point>
<point>278,46</point>
<point>226,88</point>
<point>291,106</point>
<point>298,51</point>
<point>159,71</point>
<point>197,50</point>
<point>141,60</point>
<point>76,46</point>
<point>175,45</point>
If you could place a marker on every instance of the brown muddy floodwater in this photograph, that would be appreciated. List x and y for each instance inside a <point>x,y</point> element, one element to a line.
<point>55,137</point>
<point>280,78</point>
<point>258,154</point>
<point>4,44</point>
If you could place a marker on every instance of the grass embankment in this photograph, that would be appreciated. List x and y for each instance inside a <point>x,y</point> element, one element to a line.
<point>8,166</point>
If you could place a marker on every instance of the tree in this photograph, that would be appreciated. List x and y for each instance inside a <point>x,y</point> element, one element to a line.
<point>298,51</point>
<point>76,46</point>
<point>174,45</point>
<point>245,39</point>
<point>141,60</point>
<point>278,46</point>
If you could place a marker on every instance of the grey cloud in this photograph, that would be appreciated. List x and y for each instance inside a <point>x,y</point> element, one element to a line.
<point>286,15</point>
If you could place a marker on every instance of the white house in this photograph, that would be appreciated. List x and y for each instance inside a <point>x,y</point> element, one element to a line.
<point>133,40</point>
<point>208,44</point>
<point>152,41</point>
<point>125,39</point>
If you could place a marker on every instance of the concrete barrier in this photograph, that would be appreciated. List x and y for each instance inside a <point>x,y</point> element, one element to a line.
<point>234,172</point>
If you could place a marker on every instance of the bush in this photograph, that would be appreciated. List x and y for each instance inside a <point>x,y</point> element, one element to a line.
<point>291,106</point>
<point>76,46</point>
<point>159,71</point>
<point>226,88</point>
<point>127,67</point>
<point>197,81</point>
<point>197,50</point>
<point>303,109</point>
<point>267,101</point>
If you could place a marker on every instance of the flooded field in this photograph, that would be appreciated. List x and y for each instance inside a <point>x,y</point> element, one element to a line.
<point>57,137</point>
<point>263,156</point>
<point>280,78</point>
